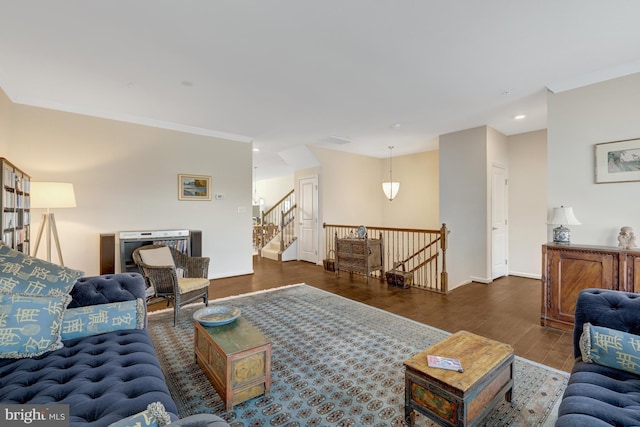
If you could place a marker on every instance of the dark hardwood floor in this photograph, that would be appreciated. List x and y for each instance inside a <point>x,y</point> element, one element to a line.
<point>507,310</point>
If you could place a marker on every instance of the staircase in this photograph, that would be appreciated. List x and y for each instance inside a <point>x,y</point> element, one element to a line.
<point>272,249</point>
<point>282,244</point>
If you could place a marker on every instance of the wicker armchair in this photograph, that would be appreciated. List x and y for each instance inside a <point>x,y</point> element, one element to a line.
<point>173,275</point>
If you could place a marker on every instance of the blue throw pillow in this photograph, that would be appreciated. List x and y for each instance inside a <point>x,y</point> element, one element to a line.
<point>102,318</point>
<point>609,347</point>
<point>30,325</point>
<point>24,274</point>
<point>154,416</point>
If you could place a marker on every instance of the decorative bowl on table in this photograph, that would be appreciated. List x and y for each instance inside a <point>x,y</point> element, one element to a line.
<point>216,315</point>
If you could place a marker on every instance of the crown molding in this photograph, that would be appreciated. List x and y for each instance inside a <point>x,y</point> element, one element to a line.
<point>132,119</point>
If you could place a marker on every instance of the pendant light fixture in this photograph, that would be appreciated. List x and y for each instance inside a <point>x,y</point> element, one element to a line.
<point>390,187</point>
<point>256,198</point>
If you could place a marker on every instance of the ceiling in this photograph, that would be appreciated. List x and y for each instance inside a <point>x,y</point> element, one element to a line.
<point>290,73</point>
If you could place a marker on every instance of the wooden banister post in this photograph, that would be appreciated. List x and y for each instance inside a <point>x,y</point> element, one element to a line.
<point>281,231</point>
<point>444,276</point>
<point>261,229</point>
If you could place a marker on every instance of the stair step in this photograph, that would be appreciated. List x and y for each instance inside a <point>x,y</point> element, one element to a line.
<point>270,253</point>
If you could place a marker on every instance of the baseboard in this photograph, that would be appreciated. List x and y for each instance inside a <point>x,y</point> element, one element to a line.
<point>485,280</point>
<point>527,275</point>
<point>451,288</point>
<point>231,274</point>
<point>511,273</point>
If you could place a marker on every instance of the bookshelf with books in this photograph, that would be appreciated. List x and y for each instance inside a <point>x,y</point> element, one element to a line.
<point>15,207</point>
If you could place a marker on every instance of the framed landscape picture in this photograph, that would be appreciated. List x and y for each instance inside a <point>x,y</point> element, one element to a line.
<point>194,187</point>
<point>618,161</point>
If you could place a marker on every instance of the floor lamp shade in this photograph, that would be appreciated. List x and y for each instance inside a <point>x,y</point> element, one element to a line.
<point>51,195</point>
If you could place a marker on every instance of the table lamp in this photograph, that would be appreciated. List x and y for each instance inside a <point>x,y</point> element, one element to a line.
<point>563,216</point>
<point>51,195</point>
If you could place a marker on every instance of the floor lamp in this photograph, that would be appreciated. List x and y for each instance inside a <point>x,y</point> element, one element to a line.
<point>51,195</point>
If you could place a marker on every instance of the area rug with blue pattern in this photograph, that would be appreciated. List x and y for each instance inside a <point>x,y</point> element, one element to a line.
<point>335,362</point>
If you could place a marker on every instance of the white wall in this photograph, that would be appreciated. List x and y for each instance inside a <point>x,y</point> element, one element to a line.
<point>5,122</point>
<point>125,178</point>
<point>350,188</point>
<point>273,190</point>
<point>417,203</point>
<point>577,120</point>
<point>527,202</point>
<point>463,202</point>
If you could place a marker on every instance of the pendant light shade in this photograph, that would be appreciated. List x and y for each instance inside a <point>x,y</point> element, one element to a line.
<point>257,200</point>
<point>391,187</point>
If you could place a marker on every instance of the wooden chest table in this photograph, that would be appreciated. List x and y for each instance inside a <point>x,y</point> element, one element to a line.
<point>360,255</point>
<point>236,358</point>
<point>452,398</point>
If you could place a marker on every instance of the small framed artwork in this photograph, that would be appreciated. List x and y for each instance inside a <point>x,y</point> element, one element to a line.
<point>194,187</point>
<point>618,161</point>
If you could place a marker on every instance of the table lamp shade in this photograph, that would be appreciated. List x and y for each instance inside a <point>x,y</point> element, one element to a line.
<point>563,216</point>
<point>52,195</point>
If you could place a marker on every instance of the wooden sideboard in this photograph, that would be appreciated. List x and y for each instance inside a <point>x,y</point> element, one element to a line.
<point>360,255</point>
<point>567,269</point>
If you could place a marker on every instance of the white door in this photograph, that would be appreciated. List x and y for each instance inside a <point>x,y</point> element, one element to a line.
<point>499,223</point>
<point>308,219</point>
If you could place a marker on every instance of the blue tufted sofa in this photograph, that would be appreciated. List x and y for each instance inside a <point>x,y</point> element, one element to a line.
<point>598,395</point>
<point>103,378</point>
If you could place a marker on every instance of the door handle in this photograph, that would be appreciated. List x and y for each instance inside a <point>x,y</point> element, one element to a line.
<point>494,228</point>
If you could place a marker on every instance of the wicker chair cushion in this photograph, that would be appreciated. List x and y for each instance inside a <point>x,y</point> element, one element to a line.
<point>157,257</point>
<point>191,284</point>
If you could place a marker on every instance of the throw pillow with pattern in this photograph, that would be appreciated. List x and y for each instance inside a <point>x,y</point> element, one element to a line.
<point>27,275</point>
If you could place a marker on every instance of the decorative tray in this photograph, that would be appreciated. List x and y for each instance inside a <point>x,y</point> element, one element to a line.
<point>216,315</point>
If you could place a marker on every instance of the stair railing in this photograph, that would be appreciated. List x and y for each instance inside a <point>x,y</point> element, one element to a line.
<point>287,228</point>
<point>420,252</point>
<point>271,221</point>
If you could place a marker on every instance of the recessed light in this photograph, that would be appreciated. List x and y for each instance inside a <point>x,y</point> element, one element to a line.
<point>395,125</point>
<point>256,149</point>
<point>519,116</point>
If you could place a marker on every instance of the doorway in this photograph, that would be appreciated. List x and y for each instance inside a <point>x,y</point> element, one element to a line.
<point>308,219</point>
<point>499,222</point>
